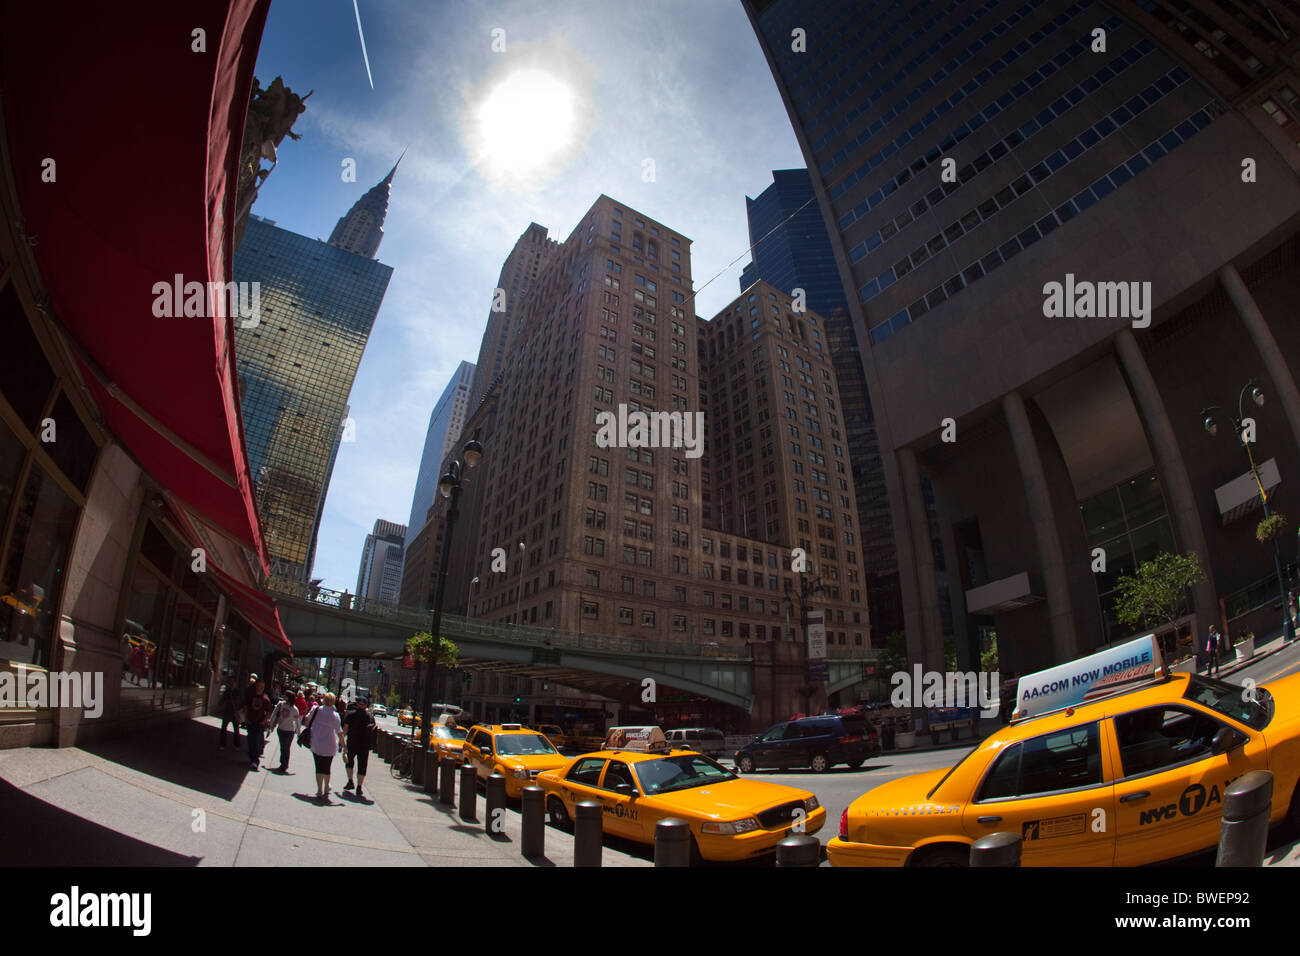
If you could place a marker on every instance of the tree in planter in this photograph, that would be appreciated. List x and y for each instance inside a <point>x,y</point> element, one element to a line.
<point>427,649</point>
<point>1157,593</point>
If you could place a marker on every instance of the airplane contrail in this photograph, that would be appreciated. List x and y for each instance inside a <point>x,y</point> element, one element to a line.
<point>364,56</point>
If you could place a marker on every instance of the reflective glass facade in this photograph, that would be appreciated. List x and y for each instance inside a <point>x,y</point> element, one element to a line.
<point>296,368</point>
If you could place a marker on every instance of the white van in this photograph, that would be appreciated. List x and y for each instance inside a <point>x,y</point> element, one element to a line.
<point>705,740</point>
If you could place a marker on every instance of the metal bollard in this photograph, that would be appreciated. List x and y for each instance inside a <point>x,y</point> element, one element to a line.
<point>431,771</point>
<point>375,744</point>
<point>534,824</point>
<point>672,842</point>
<point>468,794</point>
<point>417,765</point>
<point>996,849</point>
<point>588,833</point>
<point>388,747</point>
<point>496,805</point>
<point>1243,834</point>
<point>447,786</point>
<point>799,849</point>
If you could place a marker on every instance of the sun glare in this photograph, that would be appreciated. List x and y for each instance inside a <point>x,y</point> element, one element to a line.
<point>525,122</point>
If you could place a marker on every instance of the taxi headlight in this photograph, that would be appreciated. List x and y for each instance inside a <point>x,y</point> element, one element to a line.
<point>731,829</point>
<point>519,773</point>
<point>810,805</point>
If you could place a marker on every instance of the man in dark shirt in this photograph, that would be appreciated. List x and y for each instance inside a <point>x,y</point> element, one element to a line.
<point>360,726</point>
<point>257,713</point>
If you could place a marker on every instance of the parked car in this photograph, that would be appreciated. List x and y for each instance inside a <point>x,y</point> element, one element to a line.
<point>379,710</point>
<point>703,740</point>
<point>816,742</point>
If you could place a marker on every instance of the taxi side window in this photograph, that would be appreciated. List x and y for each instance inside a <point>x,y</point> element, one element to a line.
<point>617,773</point>
<point>1063,760</point>
<point>1158,737</point>
<point>586,771</point>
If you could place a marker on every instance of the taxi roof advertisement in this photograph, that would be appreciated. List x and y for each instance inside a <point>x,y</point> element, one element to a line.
<point>1096,675</point>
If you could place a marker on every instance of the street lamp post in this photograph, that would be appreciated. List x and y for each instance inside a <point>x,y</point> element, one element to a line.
<point>1211,426</point>
<point>449,487</point>
<point>806,588</point>
<point>469,593</point>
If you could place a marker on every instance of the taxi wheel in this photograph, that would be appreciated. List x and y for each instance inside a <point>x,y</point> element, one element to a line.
<point>945,856</point>
<point>696,859</point>
<point>745,765</point>
<point>558,814</point>
<point>854,764</point>
<point>820,764</point>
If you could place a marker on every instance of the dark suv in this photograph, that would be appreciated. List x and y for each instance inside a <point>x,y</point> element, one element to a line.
<point>816,742</point>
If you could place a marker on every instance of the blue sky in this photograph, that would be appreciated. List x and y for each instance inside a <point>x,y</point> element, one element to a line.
<point>679,82</point>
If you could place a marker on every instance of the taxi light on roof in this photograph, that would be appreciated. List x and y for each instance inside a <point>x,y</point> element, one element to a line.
<point>641,739</point>
<point>512,726</point>
<point>1108,672</point>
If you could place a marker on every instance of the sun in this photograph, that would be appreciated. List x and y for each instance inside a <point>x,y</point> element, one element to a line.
<point>524,123</point>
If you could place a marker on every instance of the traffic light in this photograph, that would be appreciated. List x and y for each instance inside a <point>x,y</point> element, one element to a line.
<point>468,678</point>
<point>519,700</point>
<point>379,669</point>
<point>356,664</point>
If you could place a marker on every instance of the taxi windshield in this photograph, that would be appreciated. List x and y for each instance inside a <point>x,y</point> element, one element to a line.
<point>1254,710</point>
<point>523,745</point>
<point>680,773</point>
<point>449,733</point>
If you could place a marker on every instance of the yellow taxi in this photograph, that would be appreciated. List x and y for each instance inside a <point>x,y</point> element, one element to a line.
<point>1110,761</point>
<point>408,718</point>
<point>552,733</point>
<point>448,740</point>
<point>639,780</point>
<point>512,750</point>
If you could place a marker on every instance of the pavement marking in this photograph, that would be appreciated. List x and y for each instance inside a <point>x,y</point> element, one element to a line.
<point>1280,671</point>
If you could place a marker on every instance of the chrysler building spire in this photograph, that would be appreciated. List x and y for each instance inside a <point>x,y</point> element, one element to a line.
<point>362,229</point>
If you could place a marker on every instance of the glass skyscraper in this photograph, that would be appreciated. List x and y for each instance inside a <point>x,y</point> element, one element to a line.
<point>1098,142</point>
<point>296,368</point>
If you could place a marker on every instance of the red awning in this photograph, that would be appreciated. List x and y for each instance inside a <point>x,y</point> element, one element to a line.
<point>125,138</point>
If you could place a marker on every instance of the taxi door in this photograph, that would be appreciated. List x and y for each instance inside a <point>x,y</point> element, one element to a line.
<point>622,815</point>
<point>478,752</point>
<point>1170,788</point>
<point>1055,791</point>
<point>582,782</point>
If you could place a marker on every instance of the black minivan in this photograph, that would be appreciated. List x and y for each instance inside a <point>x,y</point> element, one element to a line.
<point>816,742</point>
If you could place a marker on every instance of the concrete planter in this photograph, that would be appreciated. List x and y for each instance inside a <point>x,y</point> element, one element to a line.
<point>905,739</point>
<point>1246,649</point>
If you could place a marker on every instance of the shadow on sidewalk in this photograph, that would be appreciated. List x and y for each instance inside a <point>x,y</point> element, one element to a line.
<point>183,753</point>
<point>35,833</point>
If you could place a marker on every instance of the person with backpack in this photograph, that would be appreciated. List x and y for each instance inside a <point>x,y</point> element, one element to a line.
<point>286,721</point>
<point>360,725</point>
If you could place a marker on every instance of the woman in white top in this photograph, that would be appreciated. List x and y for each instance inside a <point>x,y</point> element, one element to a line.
<point>326,741</point>
<point>286,721</point>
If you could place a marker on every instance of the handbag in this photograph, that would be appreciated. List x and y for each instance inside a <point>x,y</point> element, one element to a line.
<point>304,736</point>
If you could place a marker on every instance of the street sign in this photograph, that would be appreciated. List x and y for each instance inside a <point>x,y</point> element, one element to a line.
<point>818,670</point>
<point>816,636</point>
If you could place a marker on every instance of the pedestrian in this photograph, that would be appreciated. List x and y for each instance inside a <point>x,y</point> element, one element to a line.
<point>257,710</point>
<point>286,720</point>
<point>303,704</point>
<point>326,741</point>
<point>360,724</point>
<point>228,711</point>
<point>1212,647</point>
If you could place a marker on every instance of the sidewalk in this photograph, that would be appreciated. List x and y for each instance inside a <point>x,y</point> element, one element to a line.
<point>171,798</point>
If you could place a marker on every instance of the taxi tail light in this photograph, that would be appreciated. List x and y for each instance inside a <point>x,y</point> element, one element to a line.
<point>844,824</point>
